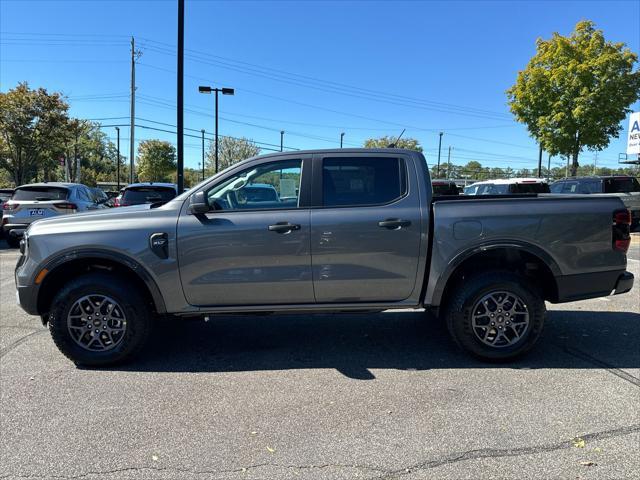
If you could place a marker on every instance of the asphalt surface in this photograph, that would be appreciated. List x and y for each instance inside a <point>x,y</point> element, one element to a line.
<point>326,397</point>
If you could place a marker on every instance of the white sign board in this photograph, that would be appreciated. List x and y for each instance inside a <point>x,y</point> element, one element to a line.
<point>288,187</point>
<point>633,138</point>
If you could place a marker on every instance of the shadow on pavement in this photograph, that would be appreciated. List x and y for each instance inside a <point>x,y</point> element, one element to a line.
<point>356,343</point>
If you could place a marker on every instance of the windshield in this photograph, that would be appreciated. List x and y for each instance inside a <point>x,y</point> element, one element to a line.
<point>470,190</point>
<point>40,193</point>
<point>138,195</point>
<point>621,185</point>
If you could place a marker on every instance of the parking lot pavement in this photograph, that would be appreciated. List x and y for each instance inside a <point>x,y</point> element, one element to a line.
<point>326,396</point>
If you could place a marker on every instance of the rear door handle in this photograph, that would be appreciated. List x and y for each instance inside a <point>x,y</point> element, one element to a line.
<point>283,227</point>
<point>394,223</point>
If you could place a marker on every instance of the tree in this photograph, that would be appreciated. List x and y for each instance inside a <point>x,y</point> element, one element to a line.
<point>230,151</point>
<point>384,142</point>
<point>156,161</point>
<point>575,91</point>
<point>30,125</point>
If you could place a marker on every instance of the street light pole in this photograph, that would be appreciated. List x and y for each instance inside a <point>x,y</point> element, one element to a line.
<point>217,166</point>
<point>439,150</point>
<point>118,158</point>
<point>540,162</point>
<point>449,163</point>
<point>281,140</point>
<point>341,139</point>
<point>224,91</point>
<point>202,131</point>
<point>180,96</point>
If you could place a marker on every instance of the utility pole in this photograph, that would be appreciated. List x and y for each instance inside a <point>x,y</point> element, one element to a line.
<point>132,121</point>
<point>566,171</point>
<point>341,139</point>
<point>118,158</point>
<point>548,168</point>
<point>449,163</point>
<point>281,139</point>
<point>180,96</point>
<point>540,162</point>
<point>595,164</point>
<point>202,131</point>
<point>439,150</point>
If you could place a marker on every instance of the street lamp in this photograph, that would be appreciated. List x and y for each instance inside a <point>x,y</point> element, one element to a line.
<point>225,91</point>
<point>118,160</point>
<point>341,139</point>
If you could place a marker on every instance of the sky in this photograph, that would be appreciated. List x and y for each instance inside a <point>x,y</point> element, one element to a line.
<point>312,69</point>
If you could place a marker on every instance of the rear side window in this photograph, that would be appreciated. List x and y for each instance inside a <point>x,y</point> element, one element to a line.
<point>362,181</point>
<point>621,185</point>
<point>40,193</point>
<point>443,188</point>
<point>138,195</point>
<point>530,188</point>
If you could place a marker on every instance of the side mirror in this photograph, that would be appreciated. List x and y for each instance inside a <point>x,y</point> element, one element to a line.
<point>198,204</point>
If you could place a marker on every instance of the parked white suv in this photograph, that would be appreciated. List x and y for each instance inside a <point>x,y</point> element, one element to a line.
<point>509,186</point>
<point>43,200</point>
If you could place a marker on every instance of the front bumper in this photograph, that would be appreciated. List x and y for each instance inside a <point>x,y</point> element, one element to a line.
<point>26,295</point>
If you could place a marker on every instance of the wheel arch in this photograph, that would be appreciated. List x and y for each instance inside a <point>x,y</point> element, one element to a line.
<point>523,258</point>
<point>77,262</point>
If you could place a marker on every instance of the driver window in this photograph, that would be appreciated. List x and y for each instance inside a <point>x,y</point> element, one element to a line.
<point>263,187</point>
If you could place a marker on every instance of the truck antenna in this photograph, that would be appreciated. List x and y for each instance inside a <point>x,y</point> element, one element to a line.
<point>393,145</point>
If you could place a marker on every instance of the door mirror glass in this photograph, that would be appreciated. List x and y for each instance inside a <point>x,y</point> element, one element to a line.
<point>198,204</point>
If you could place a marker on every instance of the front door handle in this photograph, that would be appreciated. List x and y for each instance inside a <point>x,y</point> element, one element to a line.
<point>394,223</point>
<point>283,227</point>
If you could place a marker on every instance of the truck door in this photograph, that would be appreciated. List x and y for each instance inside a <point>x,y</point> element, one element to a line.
<point>252,247</point>
<point>365,228</point>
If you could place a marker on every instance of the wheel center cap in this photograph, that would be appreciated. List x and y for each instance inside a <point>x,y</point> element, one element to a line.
<point>97,323</point>
<point>500,318</point>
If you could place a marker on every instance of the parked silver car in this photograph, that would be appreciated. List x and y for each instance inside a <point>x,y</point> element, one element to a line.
<point>44,200</point>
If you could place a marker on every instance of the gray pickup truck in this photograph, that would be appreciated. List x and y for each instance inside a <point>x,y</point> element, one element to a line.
<point>349,230</point>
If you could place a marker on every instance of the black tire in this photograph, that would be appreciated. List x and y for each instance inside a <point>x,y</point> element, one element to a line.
<point>467,294</point>
<point>133,303</point>
<point>13,242</point>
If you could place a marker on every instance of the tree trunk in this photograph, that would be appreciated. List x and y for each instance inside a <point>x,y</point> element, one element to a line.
<point>574,164</point>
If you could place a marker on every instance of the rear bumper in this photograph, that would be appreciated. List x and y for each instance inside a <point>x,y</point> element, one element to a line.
<point>593,285</point>
<point>624,283</point>
<point>14,229</point>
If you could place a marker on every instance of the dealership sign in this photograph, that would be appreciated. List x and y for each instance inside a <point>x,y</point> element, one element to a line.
<point>633,140</point>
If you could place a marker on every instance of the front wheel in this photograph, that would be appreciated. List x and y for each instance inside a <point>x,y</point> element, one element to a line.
<point>496,315</point>
<point>97,319</point>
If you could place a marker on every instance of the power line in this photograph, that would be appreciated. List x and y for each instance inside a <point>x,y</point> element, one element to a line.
<point>314,80</point>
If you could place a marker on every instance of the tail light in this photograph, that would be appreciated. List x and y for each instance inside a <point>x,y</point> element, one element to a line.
<point>10,206</point>
<point>66,206</point>
<point>621,230</point>
<point>117,203</point>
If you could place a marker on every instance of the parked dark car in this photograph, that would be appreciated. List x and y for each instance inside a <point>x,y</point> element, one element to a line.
<point>444,187</point>
<point>146,192</point>
<point>624,186</point>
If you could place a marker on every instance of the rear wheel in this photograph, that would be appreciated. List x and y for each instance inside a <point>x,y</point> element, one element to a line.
<point>95,320</point>
<point>496,315</point>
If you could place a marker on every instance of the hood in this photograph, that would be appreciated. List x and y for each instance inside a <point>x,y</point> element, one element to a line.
<point>106,219</point>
